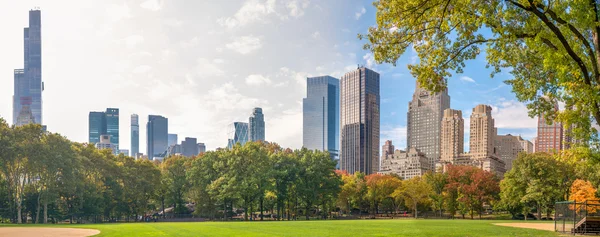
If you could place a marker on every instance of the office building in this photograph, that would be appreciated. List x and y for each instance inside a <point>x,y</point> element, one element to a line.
<point>508,148</point>
<point>174,150</point>
<point>189,147</point>
<point>425,113</point>
<point>104,143</point>
<point>96,126</point>
<point>549,134</point>
<point>481,141</point>
<point>201,148</point>
<point>112,125</point>
<point>453,135</point>
<point>157,130</point>
<point>526,145</point>
<point>320,115</point>
<point>359,125</point>
<point>238,133</point>
<point>172,139</point>
<point>387,149</point>
<point>28,85</point>
<point>256,125</point>
<point>406,165</point>
<point>135,135</point>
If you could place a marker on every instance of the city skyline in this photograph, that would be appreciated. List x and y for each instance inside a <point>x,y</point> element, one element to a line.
<point>282,82</point>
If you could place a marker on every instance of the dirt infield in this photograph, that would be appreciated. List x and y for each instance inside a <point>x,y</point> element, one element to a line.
<point>537,226</point>
<point>46,232</point>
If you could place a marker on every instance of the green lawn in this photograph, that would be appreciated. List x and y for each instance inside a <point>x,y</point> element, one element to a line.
<point>315,228</point>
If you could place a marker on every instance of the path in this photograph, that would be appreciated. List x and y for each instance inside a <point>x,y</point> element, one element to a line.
<point>537,226</point>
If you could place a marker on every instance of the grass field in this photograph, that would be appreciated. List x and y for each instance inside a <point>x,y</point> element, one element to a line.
<point>315,228</point>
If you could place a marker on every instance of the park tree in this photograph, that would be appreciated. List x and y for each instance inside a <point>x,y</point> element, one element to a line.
<point>414,191</point>
<point>318,183</point>
<point>536,181</point>
<point>173,171</point>
<point>551,48</point>
<point>380,188</point>
<point>582,191</point>
<point>437,182</point>
<point>285,172</point>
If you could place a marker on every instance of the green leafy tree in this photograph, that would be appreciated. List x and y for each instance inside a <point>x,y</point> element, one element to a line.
<point>415,191</point>
<point>551,48</point>
<point>437,182</point>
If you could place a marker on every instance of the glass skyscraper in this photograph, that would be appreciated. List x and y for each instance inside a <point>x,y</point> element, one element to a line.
<point>172,139</point>
<point>135,135</point>
<point>256,129</point>
<point>238,134</point>
<point>28,85</point>
<point>104,123</point>
<point>157,130</point>
<point>97,126</point>
<point>112,125</point>
<point>320,114</point>
<point>359,104</point>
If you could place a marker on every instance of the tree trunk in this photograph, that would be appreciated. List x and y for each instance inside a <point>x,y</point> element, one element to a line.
<point>163,207</point>
<point>45,211</point>
<point>261,207</point>
<point>19,219</point>
<point>416,215</point>
<point>37,213</point>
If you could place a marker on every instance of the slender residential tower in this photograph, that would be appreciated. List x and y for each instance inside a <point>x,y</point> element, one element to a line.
<point>28,85</point>
<point>425,113</point>
<point>157,130</point>
<point>359,104</point>
<point>256,125</point>
<point>135,135</point>
<point>321,115</point>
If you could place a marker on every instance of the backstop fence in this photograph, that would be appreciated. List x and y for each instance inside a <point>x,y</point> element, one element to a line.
<point>577,217</point>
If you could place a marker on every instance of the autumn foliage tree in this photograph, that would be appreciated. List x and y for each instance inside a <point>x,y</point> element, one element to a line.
<point>584,191</point>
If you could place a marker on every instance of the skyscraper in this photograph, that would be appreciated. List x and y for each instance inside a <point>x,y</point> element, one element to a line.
<point>481,141</point>
<point>549,134</point>
<point>112,125</point>
<point>135,135</point>
<point>238,134</point>
<point>453,135</point>
<point>28,85</point>
<point>201,148</point>
<point>359,104</point>
<point>387,149</point>
<point>320,115</point>
<point>189,147</point>
<point>425,113</point>
<point>172,140</point>
<point>97,126</point>
<point>157,130</point>
<point>256,125</point>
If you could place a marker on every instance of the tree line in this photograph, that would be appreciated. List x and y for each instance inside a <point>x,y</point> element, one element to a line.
<point>45,178</point>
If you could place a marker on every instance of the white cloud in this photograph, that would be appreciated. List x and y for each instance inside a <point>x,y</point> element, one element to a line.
<point>395,133</point>
<point>118,12</point>
<point>207,69</point>
<point>315,35</point>
<point>142,69</point>
<point>152,5</point>
<point>245,44</point>
<point>257,80</point>
<point>512,114</point>
<point>360,13</point>
<point>133,40</point>
<point>467,79</point>
<point>251,11</point>
<point>368,57</point>
<point>296,9</point>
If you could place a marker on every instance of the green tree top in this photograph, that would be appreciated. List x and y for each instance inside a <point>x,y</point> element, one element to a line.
<point>551,48</point>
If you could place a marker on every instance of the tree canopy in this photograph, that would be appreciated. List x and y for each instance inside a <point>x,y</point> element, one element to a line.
<point>551,48</point>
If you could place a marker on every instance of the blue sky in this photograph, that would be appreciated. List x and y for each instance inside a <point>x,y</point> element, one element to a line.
<point>206,64</point>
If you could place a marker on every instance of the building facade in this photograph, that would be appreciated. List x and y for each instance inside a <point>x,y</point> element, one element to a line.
<point>406,165</point>
<point>360,118</point>
<point>104,143</point>
<point>387,148</point>
<point>453,135</point>
<point>425,113</point>
<point>481,141</point>
<point>549,134</point>
<point>112,125</point>
<point>238,133</point>
<point>172,139</point>
<point>256,125</point>
<point>28,85</point>
<point>189,147</point>
<point>201,148</point>
<point>97,126</point>
<point>508,148</point>
<point>135,135</point>
<point>157,130</point>
<point>320,115</point>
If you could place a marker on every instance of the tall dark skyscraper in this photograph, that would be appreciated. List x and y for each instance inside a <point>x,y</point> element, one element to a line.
<point>359,103</point>
<point>157,130</point>
<point>104,123</point>
<point>321,115</point>
<point>256,126</point>
<point>112,126</point>
<point>425,113</point>
<point>135,135</point>
<point>97,126</point>
<point>189,147</point>
<point>28,85</point>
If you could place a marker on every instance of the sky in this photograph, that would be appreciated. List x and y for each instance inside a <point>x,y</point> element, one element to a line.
<point>206,64</point>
